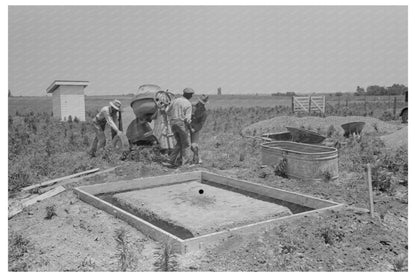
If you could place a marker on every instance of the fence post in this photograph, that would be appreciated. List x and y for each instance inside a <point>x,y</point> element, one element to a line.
<point>370,189</point>
<point>365,105</point>
<point>310,103</point>
<point>293,104</point>
<point>389,101</point>
<point>394,106</point>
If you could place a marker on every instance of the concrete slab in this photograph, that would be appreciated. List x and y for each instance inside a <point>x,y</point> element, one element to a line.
<point>200,208</point>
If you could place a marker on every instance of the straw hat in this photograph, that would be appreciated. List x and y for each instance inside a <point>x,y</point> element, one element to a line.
<point>203,99</point>
<point>116,104</point>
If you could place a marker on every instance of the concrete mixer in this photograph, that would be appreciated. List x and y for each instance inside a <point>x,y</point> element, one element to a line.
<point>149,101</point>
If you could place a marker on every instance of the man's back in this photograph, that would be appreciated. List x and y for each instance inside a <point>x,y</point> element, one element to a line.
<point>181,109</point>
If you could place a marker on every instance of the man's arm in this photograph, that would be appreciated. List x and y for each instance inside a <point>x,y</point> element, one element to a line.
<point>110,122</point>
<point>188,113</point>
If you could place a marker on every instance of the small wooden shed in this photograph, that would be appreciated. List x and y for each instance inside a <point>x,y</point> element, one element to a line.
<point>68,99</point>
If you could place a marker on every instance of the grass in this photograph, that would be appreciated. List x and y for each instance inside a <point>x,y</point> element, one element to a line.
<point>165,259</point>
<point>126,255</point>
<point>42,148</point>
<point>18,247</point>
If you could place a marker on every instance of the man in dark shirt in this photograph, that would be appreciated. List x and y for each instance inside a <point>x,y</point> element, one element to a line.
<point>199,116</point>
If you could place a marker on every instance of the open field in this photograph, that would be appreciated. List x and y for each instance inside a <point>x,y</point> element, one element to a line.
<point>93,103</point>
<point>79,237</point>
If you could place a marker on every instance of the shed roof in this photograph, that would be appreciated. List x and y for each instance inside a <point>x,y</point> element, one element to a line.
<point>58,83</point>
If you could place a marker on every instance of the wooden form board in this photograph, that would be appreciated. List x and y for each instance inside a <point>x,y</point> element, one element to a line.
<point>35,199</point>
<point>308,104</point>
<point>51,182</point>
<point>88,194</point>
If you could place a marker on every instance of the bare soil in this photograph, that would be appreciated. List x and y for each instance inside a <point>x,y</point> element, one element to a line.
<point>81,237</point>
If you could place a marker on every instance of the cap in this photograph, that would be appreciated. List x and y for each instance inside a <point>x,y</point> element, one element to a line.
<point>188,90</point>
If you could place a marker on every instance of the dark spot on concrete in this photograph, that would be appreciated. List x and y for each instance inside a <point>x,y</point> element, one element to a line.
<point>201,191</point>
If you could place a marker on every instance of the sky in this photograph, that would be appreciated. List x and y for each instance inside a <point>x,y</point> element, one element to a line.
<point>242,49</point>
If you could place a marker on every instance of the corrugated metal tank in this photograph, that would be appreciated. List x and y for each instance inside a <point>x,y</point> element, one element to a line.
<point>303,161</point>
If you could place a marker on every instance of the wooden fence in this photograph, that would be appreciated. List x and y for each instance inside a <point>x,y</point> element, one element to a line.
<point>308,104</point>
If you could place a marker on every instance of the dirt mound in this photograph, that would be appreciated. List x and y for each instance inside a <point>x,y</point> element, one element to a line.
<point>318,124</point>
<point>396,139</point>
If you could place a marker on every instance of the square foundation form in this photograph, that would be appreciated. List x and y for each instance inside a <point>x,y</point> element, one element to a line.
<point>193,210</point>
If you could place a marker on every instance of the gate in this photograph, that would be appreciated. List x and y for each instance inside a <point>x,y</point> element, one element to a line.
<point>308,104</point>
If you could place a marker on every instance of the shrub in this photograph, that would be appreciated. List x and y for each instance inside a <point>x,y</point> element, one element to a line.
<point>331,131</point>
<point>125,254</point>
<point>50,212</point>
<point>331,234</point>
<point>387,116</point>
<point>383,180</point>
<point>165,259</point>
<point>281,168</point>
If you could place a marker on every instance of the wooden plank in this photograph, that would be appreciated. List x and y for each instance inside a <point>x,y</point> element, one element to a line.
<point>36,199</point>
<point>51,182</point>
<point>88,176</point>
<point>198,243</point>
<point>297,198</point>
<point>299,105</point>
<point>141,183</point>
<point>143,226</point>
<point>74,180</point>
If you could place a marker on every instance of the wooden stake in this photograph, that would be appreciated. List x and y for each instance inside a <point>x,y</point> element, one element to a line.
<point>370,189</point>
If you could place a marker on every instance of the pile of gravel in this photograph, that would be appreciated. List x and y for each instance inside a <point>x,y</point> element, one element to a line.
<point>318,124</point>
<point>396,139</point>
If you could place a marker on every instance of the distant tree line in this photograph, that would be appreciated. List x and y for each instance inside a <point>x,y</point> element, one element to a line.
<point>395,89</point>
<point>289,93</point>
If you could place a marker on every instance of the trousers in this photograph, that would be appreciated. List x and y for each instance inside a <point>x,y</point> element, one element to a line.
<point>179,155</point>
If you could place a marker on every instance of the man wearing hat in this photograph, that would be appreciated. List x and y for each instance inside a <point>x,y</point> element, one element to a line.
<point>180,114</point>
<point>199,116</point>
<point>107,115</point>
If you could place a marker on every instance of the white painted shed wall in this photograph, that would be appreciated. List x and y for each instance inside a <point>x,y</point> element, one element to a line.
<point>56,104</point>
<point>69,101</point>
<point>74,106</point>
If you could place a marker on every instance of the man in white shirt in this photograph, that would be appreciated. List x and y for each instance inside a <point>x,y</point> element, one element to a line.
<point>107,115</point>
<point>180,113</point>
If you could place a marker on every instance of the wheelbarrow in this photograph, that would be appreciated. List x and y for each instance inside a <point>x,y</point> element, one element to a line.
<point>305,136</point>
<point>352,128</point>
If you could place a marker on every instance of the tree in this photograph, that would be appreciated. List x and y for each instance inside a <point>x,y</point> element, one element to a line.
<point>360,91</point>
<point>396,89</point>
<point>376,90</point>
